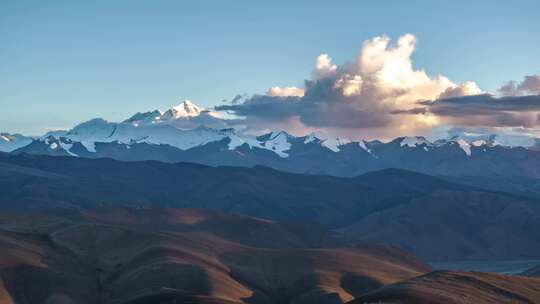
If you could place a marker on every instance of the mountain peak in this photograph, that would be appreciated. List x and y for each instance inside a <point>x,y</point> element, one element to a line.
<point>273,135</point>
<point>10,142</point>
<point>277,134</point>
<point>6,137</point>
<point>185,109</point>
<point>413,141</point>
<point>149,116</point>
<point>333,143</point>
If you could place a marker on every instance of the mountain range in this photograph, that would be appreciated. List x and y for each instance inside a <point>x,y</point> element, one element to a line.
<point>432,218</point>
<point>177,207</point>
<point>188,133</point>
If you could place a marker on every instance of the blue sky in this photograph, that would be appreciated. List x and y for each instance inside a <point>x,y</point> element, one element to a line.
<point>63,62</point>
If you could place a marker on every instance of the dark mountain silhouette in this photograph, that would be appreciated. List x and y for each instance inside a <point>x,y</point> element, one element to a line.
<point>467,224</point>
<point>533,272</point>
<point>429,217</point>
<point>38,182</point>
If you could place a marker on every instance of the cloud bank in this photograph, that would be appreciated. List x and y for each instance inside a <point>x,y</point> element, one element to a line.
<point>487,111</point>
<point>380,94</point>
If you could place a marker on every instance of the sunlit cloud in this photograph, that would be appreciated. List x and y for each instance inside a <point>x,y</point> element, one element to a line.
<point>374,95</point>
<point>285,91</point>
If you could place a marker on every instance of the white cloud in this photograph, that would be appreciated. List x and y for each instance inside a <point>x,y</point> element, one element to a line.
<point>380,94</point>
<point>285,91</point>
<point>349,84</point>
<point>324,67</point>
<point>466,88</point>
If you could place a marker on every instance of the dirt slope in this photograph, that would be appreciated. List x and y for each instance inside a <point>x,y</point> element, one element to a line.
<point>186,256</point>
<point>451,287</point>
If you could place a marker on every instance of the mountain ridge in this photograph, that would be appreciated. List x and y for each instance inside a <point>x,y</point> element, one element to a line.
<point>390,206</point>
<point>195,136</point>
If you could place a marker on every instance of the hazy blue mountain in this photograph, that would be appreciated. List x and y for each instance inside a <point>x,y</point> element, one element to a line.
<point>428,216</point>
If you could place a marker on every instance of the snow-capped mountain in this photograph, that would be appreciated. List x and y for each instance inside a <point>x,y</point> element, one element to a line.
<point>188,133</point>
<point>184,110</point>
<point>168,128</point>
<point>10,142</point>
<point>185,115</point>
<point>181,127</point>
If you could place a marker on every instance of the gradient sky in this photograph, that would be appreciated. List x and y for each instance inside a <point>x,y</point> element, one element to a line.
<point>63,62</point>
